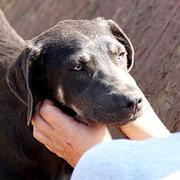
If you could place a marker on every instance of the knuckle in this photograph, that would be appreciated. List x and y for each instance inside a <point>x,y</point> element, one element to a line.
<point>35,133</point>
<point>37,121</point>
<point>46,109</point>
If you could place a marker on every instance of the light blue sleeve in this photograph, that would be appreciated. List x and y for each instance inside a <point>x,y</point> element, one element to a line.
<point>131,160</point>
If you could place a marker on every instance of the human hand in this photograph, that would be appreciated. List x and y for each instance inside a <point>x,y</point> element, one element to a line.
<point>63,135</point>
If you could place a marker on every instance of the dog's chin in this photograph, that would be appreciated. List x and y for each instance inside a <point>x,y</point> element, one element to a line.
<point>84,120</point>
<point>80,117</point>
<point>118,122</point>
<point>128,120</point>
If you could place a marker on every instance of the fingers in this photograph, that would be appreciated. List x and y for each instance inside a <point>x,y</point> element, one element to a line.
<point>55,116</point>
<point>63,135</point>
<point>42,125</point>
<point>41,137</point>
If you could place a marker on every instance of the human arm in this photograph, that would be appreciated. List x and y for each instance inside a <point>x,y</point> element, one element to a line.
<point>146,126</point>
<point>69,139</point>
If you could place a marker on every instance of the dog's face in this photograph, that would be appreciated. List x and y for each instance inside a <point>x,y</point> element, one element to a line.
<point>84,66</point>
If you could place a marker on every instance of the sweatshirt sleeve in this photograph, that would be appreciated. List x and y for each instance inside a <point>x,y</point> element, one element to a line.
<point>131,160</point>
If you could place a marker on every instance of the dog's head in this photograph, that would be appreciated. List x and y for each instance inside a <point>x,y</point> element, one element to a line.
<point>82,65</point>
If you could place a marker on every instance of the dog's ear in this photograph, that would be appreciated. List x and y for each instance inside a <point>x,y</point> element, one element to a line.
<point>121,37</point>
<point>20,78</point>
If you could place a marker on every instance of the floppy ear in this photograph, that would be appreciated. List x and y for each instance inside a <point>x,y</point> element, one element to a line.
<point>20,78</point>
<point>121,37</point>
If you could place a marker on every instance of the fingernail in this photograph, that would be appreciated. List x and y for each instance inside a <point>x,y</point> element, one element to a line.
<point>47,101</point>
<point>38,106</point>
<point>32,122</point>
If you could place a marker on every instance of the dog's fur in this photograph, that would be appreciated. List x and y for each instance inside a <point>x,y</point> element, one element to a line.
<point>81,65</point>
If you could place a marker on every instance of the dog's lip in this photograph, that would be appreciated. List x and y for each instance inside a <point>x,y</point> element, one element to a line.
<point>133,117</point>
<point>89,121</point>
<point>125,122</point>
<point>84,120</point>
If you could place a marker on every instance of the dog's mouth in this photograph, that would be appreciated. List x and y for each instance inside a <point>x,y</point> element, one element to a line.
<point>80,117</point>
<point>118,122</point>
<point>84,120</point>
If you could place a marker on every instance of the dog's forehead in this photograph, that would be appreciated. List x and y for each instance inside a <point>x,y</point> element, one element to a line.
<point>103,42</point>
<point>84,31</point>
<point>96,26</point>
<point>74,37</point>
<point>87,38</point>
<point>78,34</point>
<point>80,28</point>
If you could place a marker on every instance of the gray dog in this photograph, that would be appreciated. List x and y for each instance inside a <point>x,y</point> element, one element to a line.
<point>82,66</point>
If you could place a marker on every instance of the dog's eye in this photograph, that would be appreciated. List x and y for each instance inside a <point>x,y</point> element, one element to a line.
<point>121,54</point>
<point>78,67</point>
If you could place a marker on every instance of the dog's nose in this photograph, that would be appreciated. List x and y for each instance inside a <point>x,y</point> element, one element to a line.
<point>134,104</point>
